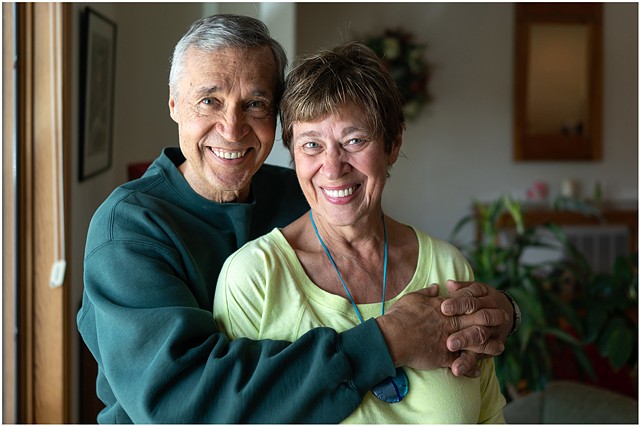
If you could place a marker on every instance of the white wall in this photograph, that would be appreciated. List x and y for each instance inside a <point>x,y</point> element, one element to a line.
<point>460,147</point>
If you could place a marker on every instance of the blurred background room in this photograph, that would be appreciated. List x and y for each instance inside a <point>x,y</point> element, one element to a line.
<point>544,206</point>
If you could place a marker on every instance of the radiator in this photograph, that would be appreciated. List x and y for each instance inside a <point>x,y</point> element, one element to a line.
<point>600,245</point>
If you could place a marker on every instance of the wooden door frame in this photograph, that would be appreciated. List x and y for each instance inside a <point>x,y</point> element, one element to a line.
<point>40,390</point>
<point>9,413</point>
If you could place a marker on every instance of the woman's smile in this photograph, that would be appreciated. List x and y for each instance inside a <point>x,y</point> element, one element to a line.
<point>340,193</point>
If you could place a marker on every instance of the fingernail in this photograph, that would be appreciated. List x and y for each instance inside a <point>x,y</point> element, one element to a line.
<point>447,309</point>
<point>461,370</point>
<point>455,345</point>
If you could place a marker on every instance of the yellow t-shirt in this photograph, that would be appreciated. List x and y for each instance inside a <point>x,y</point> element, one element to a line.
<point>264,293</point>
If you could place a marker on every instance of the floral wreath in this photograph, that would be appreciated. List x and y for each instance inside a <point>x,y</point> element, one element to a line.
<point>404,59</point>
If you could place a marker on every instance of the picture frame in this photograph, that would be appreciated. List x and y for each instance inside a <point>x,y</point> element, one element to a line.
<point>97,84</point>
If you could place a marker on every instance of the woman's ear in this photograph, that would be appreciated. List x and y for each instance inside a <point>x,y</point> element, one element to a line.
<point>395,149</point>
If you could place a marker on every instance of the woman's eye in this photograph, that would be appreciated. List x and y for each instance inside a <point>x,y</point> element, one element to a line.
<point>355,144</point>
<point>310,145</point>
<point>310,148</point>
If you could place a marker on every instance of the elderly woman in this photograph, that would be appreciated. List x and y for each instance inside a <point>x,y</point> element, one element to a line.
<point>346,260</point>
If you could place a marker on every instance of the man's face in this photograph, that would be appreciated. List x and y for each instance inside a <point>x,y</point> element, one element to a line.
<point>225,110</point>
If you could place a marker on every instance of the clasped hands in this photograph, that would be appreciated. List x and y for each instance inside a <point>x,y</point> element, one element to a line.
<point>426,331</point>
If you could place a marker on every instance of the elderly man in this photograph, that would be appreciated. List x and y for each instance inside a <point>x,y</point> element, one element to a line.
<point>156,245</point>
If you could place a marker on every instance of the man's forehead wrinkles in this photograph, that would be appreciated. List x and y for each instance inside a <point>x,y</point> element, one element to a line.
<point>261,93</point>
<point>216,89</point>
<point>207,90</point>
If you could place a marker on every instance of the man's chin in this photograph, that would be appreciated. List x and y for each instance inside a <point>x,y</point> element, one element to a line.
<point>231,188</point>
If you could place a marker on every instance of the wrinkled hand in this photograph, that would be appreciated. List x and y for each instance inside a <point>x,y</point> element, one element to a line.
<point>484,318</point>
<point>417,332</point>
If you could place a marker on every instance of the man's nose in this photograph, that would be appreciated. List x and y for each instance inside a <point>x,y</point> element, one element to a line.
<point>232,124</point>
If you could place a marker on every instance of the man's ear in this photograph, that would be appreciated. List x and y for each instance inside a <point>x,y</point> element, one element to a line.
<point>395,149</point>
<point>173,107</point>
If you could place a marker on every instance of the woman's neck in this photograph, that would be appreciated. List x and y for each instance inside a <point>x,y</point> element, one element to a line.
<point>359,255</point>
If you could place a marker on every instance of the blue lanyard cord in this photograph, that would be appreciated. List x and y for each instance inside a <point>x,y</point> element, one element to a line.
<point>391,389</point>
<point>384,277</point>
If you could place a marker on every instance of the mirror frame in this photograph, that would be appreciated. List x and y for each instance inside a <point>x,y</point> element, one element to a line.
<point>558,147</point>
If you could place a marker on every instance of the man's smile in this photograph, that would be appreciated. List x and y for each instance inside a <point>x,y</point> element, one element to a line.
<point>228,155</point>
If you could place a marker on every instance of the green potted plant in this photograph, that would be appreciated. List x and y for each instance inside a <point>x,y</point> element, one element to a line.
<point>607,308</point>
<point>611,307</point>
<point>608,305</point>
<point>497,259</point>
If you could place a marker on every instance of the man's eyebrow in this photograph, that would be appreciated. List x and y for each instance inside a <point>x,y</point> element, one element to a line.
<point>265,94</point>
<point>207,90</point>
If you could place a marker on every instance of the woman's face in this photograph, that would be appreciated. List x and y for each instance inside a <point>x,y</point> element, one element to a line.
<point>342,166</point>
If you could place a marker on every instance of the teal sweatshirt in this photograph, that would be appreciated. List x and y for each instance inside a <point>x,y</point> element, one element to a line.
<point>153,253</point>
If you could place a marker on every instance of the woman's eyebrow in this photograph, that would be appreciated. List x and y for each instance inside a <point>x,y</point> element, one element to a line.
<point>348,130</point>
<point>310,133</point>
<point>345,132</point>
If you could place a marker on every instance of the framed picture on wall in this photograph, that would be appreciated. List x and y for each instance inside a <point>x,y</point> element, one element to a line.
<point>97,75</point>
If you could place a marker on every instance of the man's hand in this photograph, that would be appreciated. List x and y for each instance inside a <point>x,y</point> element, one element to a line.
<point>416,331</point>
<point>472,301</point>
<point>474,305</point>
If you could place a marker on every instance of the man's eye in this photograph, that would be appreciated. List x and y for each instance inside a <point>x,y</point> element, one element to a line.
<point>259,109</point>
<point>207,101</point>
<point>206,106</point>
<point>310,145</point>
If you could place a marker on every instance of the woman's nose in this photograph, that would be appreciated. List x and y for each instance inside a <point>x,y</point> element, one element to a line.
<point>334,165</point>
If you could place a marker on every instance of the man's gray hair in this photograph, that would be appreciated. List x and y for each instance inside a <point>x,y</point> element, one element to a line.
<point>223,31</point>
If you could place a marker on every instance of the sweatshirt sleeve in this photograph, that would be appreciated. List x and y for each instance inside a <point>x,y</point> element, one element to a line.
<point>163,360</point>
